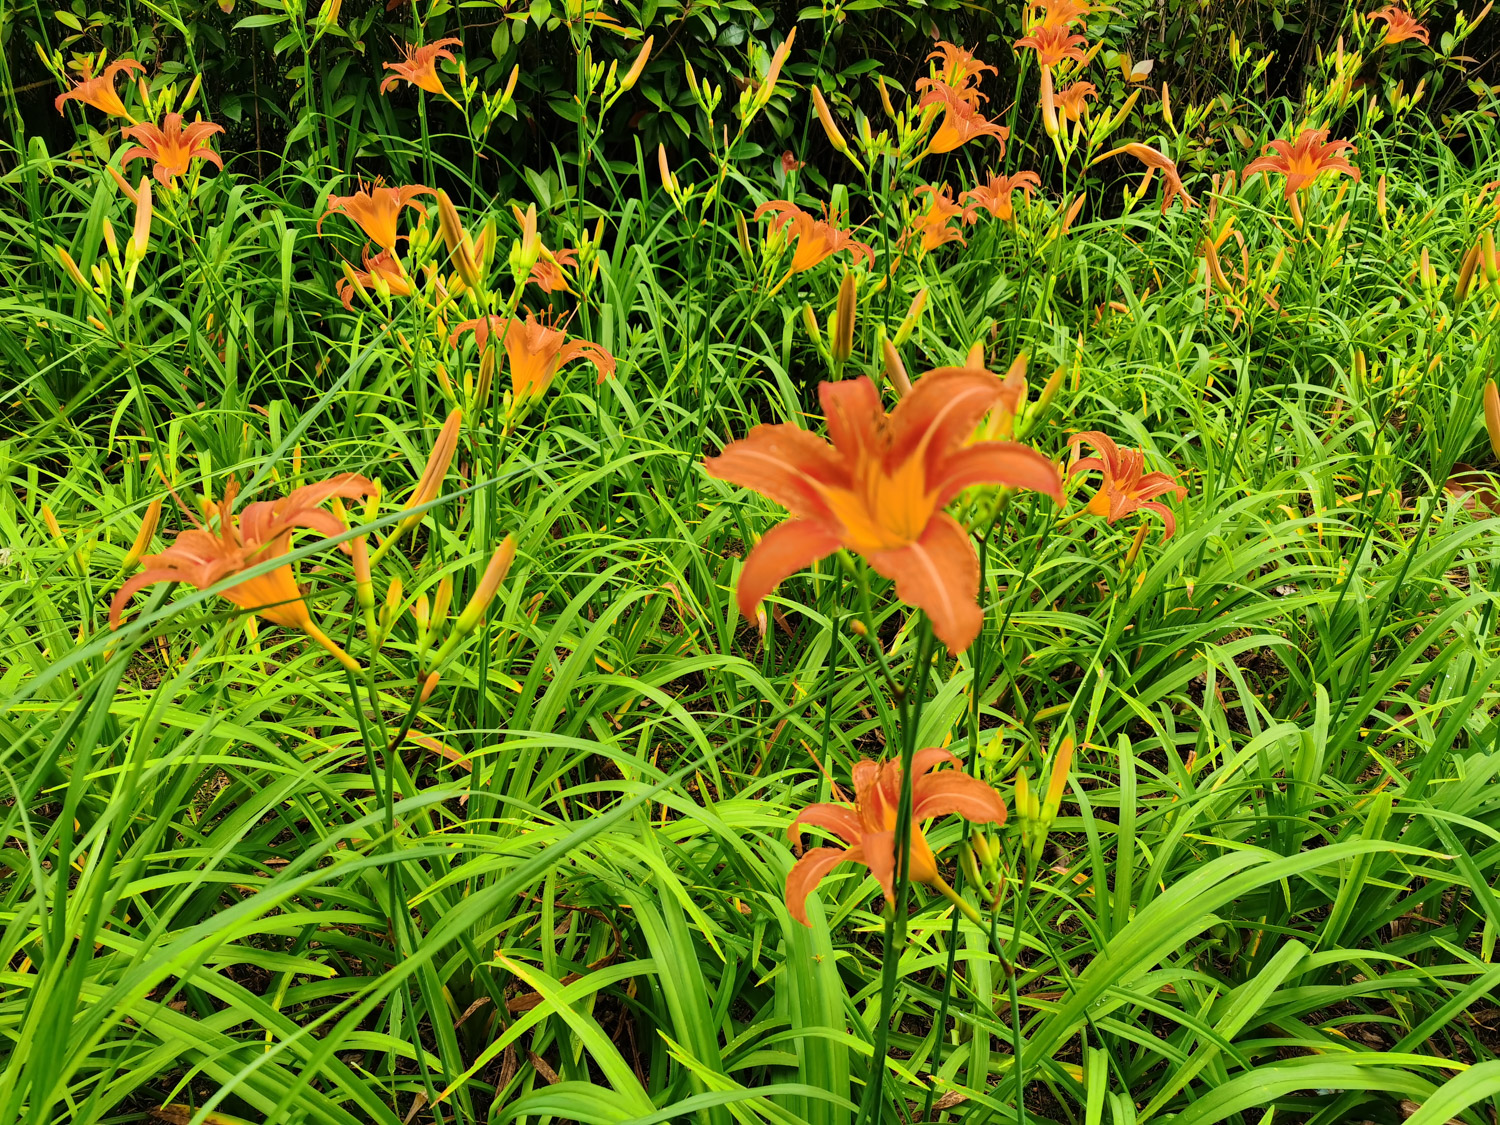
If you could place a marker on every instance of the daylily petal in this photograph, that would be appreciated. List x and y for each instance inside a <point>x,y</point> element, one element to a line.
<point>838,819</point>
<point>939,574</point>
<point>940,413</point>
<point>997,462</point>
<point>954,791</point>
<point>807,873</point>
<point>785,549</point>
<point>784,463</point>
<point>852,406</point>
<point>1167,518</point>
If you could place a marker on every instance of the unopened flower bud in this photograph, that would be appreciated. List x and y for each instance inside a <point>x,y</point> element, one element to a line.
<point>144,535</point>
<point>842,344</point>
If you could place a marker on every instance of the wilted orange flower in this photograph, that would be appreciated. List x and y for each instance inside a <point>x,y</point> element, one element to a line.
<point>790,163</point>
<point>930,227</point>
<point>99,91</point>
<point>880,490</point>
<point>1071,101</point>
<point>868,828</point>
<point>958,71</point>
<point>815,239</point>
<point>1302,161</point>
<point>383,265</point>
<point>1125,487</point>
<point>995,196</point>
<point>376,209</point>
<point>1053,43</point>
<point>263,531</point>
<point>172,146</point>
<point>1400,25</point>
<point>535,350</point>
<point>419,66</point>
<point>961,121</point>
<point>1154,161</point>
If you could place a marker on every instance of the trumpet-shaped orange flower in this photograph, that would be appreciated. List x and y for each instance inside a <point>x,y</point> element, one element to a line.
<point>1072,101</point>
<point>930,228</point>
<point>1125,488</point>
<point>868,827</point>
<point>961,122</point>
<point>815,240</point>
<point>172,146</point>
<point>263,531</point>
<point>376,209</point>
<point>419,66</point>
<point>535,351</point>
<point>385,266</point>
<point>550,274</point>
<point>996,195</point>
<point>99,90</point>
<point>1053,43</point>
<point>1059,13</point>
<point>958,71</point>
<point>880,488</point>
<point>1302,161</point>
<point>1155,161</point>
<point>1400,25</point>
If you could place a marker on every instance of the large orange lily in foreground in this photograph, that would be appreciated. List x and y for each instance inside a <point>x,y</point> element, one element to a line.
<point>263,531</point>
<point>880,488</point>
<point>868,828</point>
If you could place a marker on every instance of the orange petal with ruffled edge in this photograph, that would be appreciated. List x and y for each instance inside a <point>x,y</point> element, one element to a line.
<point>954,791</point>
<point>939,574</point>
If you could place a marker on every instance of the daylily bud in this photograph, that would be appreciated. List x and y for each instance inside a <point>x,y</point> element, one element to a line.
<point>71,267</point>
<point>975,358</point>
<point>742,232</point>
<point>1049,104</point>
<point>633,75</point>
<point>460,248</point>
<point>857,627</point>
<point>1489,257</point>
<point>895,370</point>
<point>142,231</point>
<point>192,93</point>
<point>526,251</point>
<point>1492,415</point>
<point>1466,274</point>
<point>431,483</point>
<point>392,604</point>
<point>1049,392</point>
<point>885,98</point>
<point>1380,197</point>
<point>444,597</point>
<point>835,138</point>
<point>810,322</point>
<point>913,316</point>
<point>510,84</point>
<point>1425,273</point>
<point>1166,107</point>
<point>421,613</point>
<point>53,527</point>
<point>148,529</point>
<point>428,686</point>
<point>842,344</point>
<point>484,593</point>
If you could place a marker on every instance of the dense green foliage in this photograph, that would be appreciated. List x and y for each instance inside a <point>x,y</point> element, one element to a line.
<point>244,881</point>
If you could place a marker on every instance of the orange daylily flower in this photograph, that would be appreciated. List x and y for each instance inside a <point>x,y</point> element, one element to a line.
<point>1302,161</point>
<point>931,225</point>
<point>1125,487</point>
<point>99,91</point>
<point>419,66</point>
<point>1053,43</point>
<point>383,265</point>
<point>376,209</point>
<point>1060,13</point>
<point>172,146</point>
<point>535,350</point>
<point>880,488</point>
<point>550,273</point>
<point>961,121</point>
<point>995,196</point>
<point>1400,25</point>
<point>201,557</point>
<point>1155,161</point>
<point>868,828</point>
<point>816,239</point>
<point>958,71</point>
<point>1071,101</point>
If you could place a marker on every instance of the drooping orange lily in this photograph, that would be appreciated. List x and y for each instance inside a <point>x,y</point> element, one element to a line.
<point>1072,100</point>
<point>263,531</point>
<point>419,66</point>
<point>1400,26</point>
<point>1155,161</point>
<point>99,91</point>
<point>172,146</point>
<point>868,827</point>
<point>535,351</point>
<point>930,228</point>
<point>1053,43</point>
<point>385,266</point>
<point>1125,488</point>
<point>375,209</point>
<point>814,240</point>
<point>958,71</point>
<point>961,121</point>
<point>1302,161</point>
<point>880,488</point>
<point>995,196</point>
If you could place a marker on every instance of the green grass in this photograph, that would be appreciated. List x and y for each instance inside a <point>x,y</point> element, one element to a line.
<point>235,883</point>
